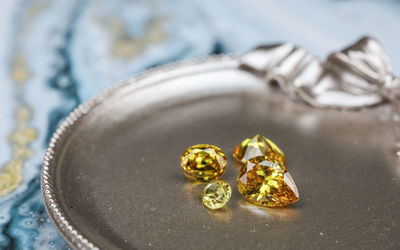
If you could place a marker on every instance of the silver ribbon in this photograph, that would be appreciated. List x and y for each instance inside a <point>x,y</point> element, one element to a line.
<point>355,77</point>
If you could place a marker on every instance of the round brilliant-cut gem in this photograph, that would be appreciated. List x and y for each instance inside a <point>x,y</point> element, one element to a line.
<point>216,194</point>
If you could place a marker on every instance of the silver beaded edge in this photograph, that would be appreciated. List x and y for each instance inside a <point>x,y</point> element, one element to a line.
<point>55,211</point>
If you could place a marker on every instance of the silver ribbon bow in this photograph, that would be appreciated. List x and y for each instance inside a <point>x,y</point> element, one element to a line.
<point>355,77</point>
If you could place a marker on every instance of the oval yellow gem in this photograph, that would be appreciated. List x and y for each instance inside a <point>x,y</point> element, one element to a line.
<point>216,194</point>
<point>264,181</point>
<point>203,162</point>
<point>258,146</point>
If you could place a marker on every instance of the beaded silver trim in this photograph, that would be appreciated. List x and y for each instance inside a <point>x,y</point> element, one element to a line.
<point>56,213</point>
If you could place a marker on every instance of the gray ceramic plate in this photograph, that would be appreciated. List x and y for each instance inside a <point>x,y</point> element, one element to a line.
<point>112,179</point>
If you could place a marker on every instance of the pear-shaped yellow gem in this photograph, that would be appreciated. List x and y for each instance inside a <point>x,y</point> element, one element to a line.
<point>258,146</point>
<point>203,162</point>
<point>264,181</point>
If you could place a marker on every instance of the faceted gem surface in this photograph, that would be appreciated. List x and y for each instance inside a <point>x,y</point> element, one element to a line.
<point>203,162</point>
<point>216,194</point>
<point>258,146</point>
<point>263,181</point>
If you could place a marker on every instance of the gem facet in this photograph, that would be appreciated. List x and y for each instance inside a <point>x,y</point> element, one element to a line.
<point>258,146</point>
<point>216,194</point>
<point>203,162</point>
<point>264,181</point>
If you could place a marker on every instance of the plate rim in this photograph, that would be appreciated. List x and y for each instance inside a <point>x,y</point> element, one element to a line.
<point>47,179</point>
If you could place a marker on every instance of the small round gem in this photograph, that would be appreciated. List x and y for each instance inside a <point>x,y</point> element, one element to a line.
<point>216,194</point>
<point>258,146</point>
<point>264,181</point>
<point>203,162</point>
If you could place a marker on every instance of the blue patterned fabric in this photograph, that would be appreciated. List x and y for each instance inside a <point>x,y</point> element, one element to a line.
<point>56,54</point>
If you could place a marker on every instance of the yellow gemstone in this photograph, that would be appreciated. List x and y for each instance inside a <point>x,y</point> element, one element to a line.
<point>264,181</point>
<point>203,162</point>
<point>216,194</point>
<point>258,146</point>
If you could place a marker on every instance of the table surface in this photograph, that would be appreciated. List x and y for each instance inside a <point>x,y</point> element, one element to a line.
<point>56,54</point>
